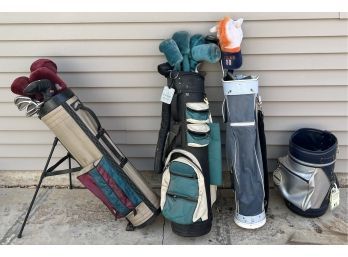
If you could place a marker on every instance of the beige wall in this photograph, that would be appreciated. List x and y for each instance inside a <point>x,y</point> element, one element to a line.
<point>110,61</point>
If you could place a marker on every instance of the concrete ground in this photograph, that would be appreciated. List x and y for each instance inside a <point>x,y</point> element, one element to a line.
<point>63,216</point>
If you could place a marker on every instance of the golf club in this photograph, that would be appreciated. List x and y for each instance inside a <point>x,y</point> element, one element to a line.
<point>20,98</point>
<point>33,108</point>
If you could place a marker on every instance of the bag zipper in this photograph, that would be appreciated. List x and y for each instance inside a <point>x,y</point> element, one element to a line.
<point>191,199</point>
<point>182,175</point>
<point>307,181</point>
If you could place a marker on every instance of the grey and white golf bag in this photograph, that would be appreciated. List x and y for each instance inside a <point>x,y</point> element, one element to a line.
<point>305,177</point>
<point>246,151</point>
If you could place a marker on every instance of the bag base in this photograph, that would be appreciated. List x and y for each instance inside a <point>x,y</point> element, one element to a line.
<point>310,213</point>
<point>194,230</point>
<point>251,224</point>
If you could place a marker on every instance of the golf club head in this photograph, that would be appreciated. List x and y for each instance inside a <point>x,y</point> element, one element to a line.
<point>19,99</point>
<point>23,105</point>
<point>31,113</point>
<point>33,108</point>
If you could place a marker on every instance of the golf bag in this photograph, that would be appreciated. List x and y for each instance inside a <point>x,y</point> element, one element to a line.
<point>246,151</point>
<point>106,172</point>
<point>189,155</point>
<point>305,177</point>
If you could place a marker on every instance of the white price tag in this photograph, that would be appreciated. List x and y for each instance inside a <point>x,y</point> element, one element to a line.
<point>167,95</point>
<point>334,197</point>
<point>277,177</point>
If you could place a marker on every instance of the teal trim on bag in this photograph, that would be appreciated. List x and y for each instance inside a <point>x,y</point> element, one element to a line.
<point>197,138</point>
<point>187,187</point>
<point>197,115</point>
<point>125,187</point>
<point>109,194</point>
<point>179,210</point>
<point>214,155</point>
<point>183,169</point>
<point>182,195</point>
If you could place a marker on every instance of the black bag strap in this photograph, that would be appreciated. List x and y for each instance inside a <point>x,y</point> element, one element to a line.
<point>162,137</point>
<point>78,105</point>
<point>95,140</point>
<point>172,135</point>
<point>262,137</point>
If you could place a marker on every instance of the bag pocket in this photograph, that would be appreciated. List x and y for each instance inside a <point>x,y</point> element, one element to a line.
<point>105,182</point>
<point>305,187</point>
<point>197,112</point>
<point>197,135</point>
<point>183,196</point>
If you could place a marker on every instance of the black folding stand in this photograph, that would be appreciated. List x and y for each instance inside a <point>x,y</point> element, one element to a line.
<point>47,172</point>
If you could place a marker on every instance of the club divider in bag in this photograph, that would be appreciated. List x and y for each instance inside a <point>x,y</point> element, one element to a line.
<point>106,172</point>
<point>243,151</point>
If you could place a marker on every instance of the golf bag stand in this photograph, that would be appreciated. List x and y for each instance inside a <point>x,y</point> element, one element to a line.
<point>47,172</point>
<point>186,185</point>
<point>246,151</point>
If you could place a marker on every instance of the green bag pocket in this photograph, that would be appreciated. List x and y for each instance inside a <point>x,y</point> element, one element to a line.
<point>214,155</point>
<point>197,135</point>
<point>183,196</point>
<point>178,209</point>
<point>197,112</point>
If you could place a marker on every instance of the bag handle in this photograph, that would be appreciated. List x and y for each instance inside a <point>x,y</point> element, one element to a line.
<point>186,154</point>
<point>78,105</point>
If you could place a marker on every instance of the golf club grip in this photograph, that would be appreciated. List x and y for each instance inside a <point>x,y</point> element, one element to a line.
<point>94,116</point>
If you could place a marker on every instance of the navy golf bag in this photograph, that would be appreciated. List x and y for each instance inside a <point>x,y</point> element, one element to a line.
<point>246,151</point>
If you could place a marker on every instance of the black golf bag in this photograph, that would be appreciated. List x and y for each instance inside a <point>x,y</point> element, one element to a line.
<point>305,177</point>
<point>188,140</point>
<point>106,172</point>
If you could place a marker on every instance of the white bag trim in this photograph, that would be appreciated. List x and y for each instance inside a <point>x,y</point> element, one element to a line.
<point>242,124</point>
<point>241,87</point>
<point>197,106</point>
<point>199,128</point>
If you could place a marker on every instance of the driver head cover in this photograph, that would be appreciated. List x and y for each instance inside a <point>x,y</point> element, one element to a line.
<point>46,73</point>
<point>18,86</point>
<point>172,53</point>
<point>44,63</point>
<point>230,35</point>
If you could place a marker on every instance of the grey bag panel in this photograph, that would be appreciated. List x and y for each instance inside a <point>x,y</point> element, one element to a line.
<point>243,152</point>
<point>304,186</point>
<point>241,108</point>
<point>247,169</point>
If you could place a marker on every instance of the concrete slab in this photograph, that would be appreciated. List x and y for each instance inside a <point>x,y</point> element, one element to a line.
<point>63,216</point>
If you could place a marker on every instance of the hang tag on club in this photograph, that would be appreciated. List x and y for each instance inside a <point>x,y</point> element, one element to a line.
<point>167,95</point>
<point>334,197</point>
